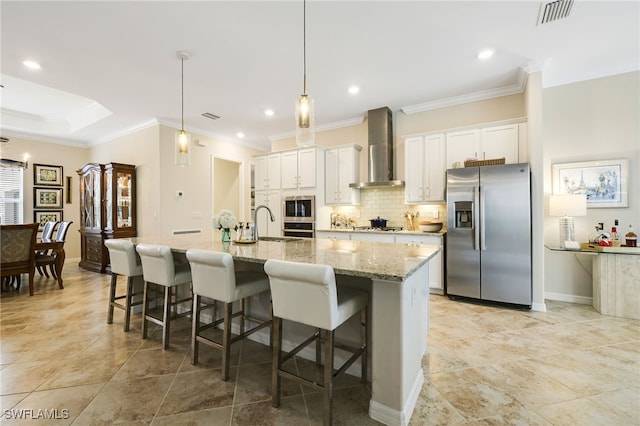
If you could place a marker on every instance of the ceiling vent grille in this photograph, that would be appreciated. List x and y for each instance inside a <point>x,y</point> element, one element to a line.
<point>552,11</point>
<point>211,116</point>
<point>4,140</point>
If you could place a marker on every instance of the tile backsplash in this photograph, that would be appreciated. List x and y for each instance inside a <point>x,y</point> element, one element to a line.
<point>388,203</point>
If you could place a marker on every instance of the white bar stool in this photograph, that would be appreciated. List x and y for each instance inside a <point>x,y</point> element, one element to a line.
<point>214,277</point>
<point>125,262</point>
<point>159,267</point>
<point>307,293</point>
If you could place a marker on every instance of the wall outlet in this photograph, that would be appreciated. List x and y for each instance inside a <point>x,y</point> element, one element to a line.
<point>435,214</point>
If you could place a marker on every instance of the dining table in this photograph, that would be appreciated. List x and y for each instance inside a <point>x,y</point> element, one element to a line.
<point>396,275</point>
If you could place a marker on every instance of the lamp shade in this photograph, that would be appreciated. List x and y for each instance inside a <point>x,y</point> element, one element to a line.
<point>568,205</point>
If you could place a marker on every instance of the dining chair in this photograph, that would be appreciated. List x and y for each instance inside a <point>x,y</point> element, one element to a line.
<point>307,294</point>
<point>49,258</point>
<point>17,251</point>
<point>45,237</point>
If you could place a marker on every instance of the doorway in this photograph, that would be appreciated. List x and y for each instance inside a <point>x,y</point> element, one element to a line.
<point>227,184</point>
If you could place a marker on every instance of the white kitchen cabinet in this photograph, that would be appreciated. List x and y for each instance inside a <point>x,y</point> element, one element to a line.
<point>273,200</point>
<point>342,167</point>
<point>425,168</point>
<point>462,146</point>
<point>486,143</point>
<point>373,236</point>
<point>500,141</point>
<point>436,265</point>
<point>299,168</point>
<point>333,235</point>
<point>267,172</point>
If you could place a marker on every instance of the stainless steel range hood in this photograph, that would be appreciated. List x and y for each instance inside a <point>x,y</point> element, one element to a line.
<point>380,150</point>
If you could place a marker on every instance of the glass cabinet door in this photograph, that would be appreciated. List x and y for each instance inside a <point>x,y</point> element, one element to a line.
<point>124,181</point>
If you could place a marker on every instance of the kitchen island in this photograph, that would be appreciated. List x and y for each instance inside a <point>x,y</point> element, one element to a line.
<point>397,275</point>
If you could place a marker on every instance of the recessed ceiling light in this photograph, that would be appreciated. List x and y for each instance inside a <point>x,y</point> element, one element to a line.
<point>354,89</point>
<point>31,65</point>
<point>268,112</point>
<point>240,135</point>
<point>486,54</point>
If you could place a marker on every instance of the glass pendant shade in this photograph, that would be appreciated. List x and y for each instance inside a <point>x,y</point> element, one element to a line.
<point>305,121</point>
<point>183,148</point>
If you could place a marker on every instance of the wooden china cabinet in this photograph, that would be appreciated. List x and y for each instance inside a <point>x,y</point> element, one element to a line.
<point>107,210</point>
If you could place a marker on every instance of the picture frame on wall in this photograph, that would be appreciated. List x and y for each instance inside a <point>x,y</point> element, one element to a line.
<point>604,182</point>
<point>47,198</point>
<point>41,217</point>
<point>44,174</point>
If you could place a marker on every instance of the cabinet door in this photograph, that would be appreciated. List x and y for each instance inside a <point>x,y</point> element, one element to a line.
<point>273,171</point>
<point>373,236</point>
<point>331,176</point>
<point>307,168</point>
<point>290,170</point>
<point>348,172</point>
<point>434,167</point>
<point>461,146</point>
<point>260,173</point>
<point>436,264</point>
<point>333,235</point>
<point>275,204</point>
<point>413,166</point>
<point>501,141</point>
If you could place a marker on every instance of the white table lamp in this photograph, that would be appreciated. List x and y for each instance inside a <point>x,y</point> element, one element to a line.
<point>567,206</point>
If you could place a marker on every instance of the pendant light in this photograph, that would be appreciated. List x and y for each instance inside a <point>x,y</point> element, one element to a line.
<point>305,120</point>
<point>183,139</point>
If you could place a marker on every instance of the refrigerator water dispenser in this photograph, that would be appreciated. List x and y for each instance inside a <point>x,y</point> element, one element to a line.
<point>464,214</point>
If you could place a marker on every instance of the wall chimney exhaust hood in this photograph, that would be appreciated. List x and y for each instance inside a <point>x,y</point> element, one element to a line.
<point>380,151</point>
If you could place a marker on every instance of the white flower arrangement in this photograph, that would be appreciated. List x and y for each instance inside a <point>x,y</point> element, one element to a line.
<point>224,220</point>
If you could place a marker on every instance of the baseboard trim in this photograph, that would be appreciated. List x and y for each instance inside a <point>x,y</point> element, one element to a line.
<point>571,298</point>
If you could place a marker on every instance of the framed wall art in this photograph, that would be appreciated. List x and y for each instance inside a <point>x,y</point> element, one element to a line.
<point>41,217</point>
<point>44,174</point>
<point>604,182</point>
<point>47,198</point>
<point>68,186</point>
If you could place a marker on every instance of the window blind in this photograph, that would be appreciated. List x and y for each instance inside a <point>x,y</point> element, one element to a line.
<point>11,196</point>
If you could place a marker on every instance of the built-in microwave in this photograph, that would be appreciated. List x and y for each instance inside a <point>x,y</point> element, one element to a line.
<point>300,208</point>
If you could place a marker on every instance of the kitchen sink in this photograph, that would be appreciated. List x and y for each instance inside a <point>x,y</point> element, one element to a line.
<point>279,239</point>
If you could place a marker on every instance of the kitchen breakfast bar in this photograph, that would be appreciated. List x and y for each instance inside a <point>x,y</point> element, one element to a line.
<point>396,276</point>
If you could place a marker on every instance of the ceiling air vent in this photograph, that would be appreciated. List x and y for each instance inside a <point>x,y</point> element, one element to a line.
<point>211,116</point>
<point>554,10</point>
<point>4,140</point>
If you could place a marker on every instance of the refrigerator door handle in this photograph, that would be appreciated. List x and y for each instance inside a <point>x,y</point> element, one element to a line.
<point>483,244</point>
<point>476,229</point>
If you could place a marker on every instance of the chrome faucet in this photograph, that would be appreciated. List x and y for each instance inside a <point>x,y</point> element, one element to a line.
<point>255,214</point>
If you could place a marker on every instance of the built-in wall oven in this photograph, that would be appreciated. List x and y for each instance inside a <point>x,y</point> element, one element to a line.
<point>298,216</point>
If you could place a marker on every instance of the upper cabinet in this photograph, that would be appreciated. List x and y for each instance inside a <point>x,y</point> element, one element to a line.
<point>485,144</point>
<point>299,168</point>
<point>267,172</point>
<point>342,167</point>
<point>424,168</point>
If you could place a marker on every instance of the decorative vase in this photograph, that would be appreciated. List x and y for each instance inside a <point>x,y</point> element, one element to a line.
<point>226,235</point>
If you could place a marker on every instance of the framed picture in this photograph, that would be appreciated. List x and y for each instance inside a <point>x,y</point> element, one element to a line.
<point>604,182</point>
<point>42,217</point>
<point>47,198</point>
<point>44,174</point>
<point>68,185</point>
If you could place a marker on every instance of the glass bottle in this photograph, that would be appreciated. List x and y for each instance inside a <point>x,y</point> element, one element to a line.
<point>631,239</point>
<point>615,241</point>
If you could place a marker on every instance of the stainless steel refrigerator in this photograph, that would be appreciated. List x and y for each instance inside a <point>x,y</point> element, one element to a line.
<point>488,249</point>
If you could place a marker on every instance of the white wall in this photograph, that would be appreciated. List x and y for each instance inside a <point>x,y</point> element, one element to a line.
<point>585,121</point>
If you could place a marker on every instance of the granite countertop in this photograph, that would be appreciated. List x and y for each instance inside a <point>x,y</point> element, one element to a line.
<point>353,258</point>
<point>403,232</point>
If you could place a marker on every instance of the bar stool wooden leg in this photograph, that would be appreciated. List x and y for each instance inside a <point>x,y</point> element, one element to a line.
<point>328,379</point>
<point>166,317</point>
<point>276,364</point>
<point>195,345</point>
<point>144,309</point>
<point>128,302</point>
<point>226,340</point>
<point>112,297</point>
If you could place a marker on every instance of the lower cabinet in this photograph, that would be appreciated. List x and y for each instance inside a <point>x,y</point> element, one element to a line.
<point>436,265</point>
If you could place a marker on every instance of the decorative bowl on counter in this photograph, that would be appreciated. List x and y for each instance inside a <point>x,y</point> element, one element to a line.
<point>430,226</point>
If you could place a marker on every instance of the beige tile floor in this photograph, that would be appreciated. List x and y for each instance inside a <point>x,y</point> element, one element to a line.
<point>485,365</point>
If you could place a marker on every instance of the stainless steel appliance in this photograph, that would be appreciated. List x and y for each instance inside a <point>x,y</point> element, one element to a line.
<point>298,214</point>
<point>488,250</point>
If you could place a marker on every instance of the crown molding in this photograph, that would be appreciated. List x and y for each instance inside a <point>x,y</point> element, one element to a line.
<point>322,128</point>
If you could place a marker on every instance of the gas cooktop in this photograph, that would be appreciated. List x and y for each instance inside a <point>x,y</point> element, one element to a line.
<point>379,228</point>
